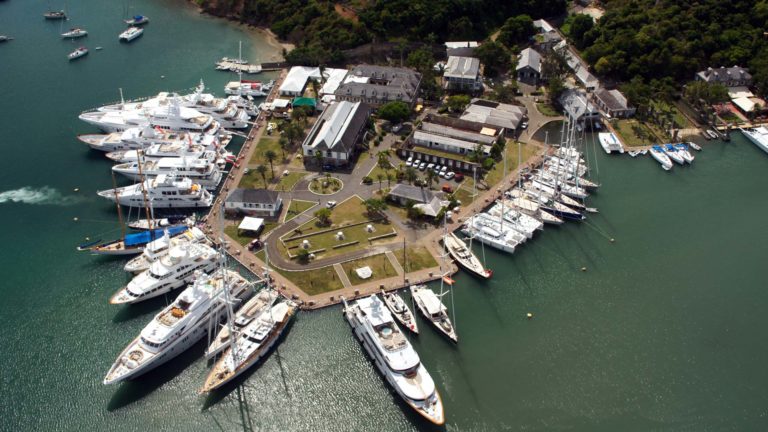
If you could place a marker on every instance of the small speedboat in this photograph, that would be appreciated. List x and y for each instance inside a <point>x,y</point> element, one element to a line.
<point>694,146</point>
<point>4,38</point>
<point>137,20</point>
<point>55,15</point>
<point>74,33</point>
<point>76,54</point>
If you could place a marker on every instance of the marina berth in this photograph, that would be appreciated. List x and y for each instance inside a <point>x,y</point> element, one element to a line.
<point>673,154</point>
<point>200,171</point>
<point>172,271</point>
<point>758,136</point>
<point>163,191</point>
<point>432,308</point>
<point>610,143</point>
<point>132,244</point>
<point>130,34</point>
<point>180,325</point>
<point>250,345</point>
<point>460,253</point>
<point>400,310</point>
<point>394,357</point>
<point>251,310</point>
<point>158,248</point>
<point>661,157</point>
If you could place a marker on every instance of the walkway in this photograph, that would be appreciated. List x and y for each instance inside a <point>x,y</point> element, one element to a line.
<point>535,119</point>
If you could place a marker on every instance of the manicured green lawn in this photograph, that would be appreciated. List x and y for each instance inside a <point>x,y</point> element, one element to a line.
<point>379,264</point>
<point>327,240</point>
<point>253,180</point>
<point>671,112</point>
<point>297,207</point>
<point>633,133</point>
<point>312,282</point>
<point>266,143</point>
<point>289,181</point>
<point>497,172</point>
<point>547,109</point>
<point>376,171</point>
<point>416,258</point>
<point>244,237</point>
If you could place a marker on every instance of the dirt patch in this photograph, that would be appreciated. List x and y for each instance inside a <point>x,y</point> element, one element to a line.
<point>345,12</point>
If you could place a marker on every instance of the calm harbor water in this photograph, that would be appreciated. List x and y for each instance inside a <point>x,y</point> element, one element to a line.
<point>662,332</point>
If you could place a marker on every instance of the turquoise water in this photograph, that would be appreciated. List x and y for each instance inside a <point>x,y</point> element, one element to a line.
<point>664,331</point>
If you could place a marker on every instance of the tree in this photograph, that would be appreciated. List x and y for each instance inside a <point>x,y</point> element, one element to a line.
<point>431,177</point>
<point>375,207</point>
<point>578,26</point>
<point>270,156</point>
<point>516,30</point>
<point>505,93</point>
<point>395,111</point>
<point>555,88</point>
<point>411,175</point>
<point>302,256</point>
<point>284,144</point>
<point>383,160</point>
<point>555,64</point>
<point>380,178</point>
<point>414,213</point>
<point>323,216</point>
<point>293,131</point>
<point>261,169</point>
<point>457,103</point>
<point>494,56</point>
<point>318,156</point>
<point>390,177</point>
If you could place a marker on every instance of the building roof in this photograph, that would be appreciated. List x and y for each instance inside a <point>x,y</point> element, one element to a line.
<point>529,57</point>
<point>725,74</point>
<point>421,135</point>
<point>304,101</point>
<point>543,25</point>
<point>338,127</point>
<point>461,134</point>
<point>260,196</point>
<point>576,105</point>
<point>332,80</point>
<point>739,92</point>
<point>281,103</point>
<point>579,68</point>
<point>494,113</point>
<point>613,99</point>
<point>432,208</point>
<point>746,104</point>
<point>414,193</point>
<point>381,83</point>
<point>251,223</point>
<point>297,79</point>
<point>462,67</point>
<point>462,44</point>
<point>461,49</point>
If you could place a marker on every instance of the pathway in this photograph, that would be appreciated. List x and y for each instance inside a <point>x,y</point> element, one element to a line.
<point>395,264</point>
<point>342,275</point>
<point>535,119</point>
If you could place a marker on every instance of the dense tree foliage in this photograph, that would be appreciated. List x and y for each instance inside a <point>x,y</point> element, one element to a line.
<point>495,57</point>
<point>655,39</point>
<point>516,30</point>
<point>577,27</point>
<point>394,111</point>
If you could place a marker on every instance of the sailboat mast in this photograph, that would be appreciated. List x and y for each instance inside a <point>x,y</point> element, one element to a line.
<point>117,203</point>
<point>140,153</point>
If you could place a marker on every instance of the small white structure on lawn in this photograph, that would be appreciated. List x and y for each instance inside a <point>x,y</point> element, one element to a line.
<point>369,228</point>
<point>340,235</point>
<point>364,272</point>
<point>251,224</point>
<point>305,244</point>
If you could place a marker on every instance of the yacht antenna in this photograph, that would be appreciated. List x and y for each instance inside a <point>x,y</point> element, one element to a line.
<point>150,223</point>
<point>122,101</point>
<point>232,336</point>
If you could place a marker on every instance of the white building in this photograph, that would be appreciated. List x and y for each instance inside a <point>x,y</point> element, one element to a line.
<point>337,132</point>
<point>298,77</point>
<point>463,73</point>
<point>261,202</point>
<point>529,67</point>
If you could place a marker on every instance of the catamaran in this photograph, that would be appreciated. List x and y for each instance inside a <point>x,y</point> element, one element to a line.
<point>178,326</point>
<point>492,232</point>
<point>169,272</point>
<point>610,142</point>
<point>163,191</point>
<point>400,310</point>
<point>393,355</point>
<point>158,248</point>
<point>130,34</point>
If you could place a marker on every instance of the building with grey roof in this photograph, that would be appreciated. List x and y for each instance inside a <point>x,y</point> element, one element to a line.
<point>337,132</point>
<point>261,202</point>
<point>578,107</point>
<point>377,85</point>
<point>455,135</point>
<point>735,76</point>
<point>529,67</point>
<point>578,66</point>
<point>613,103</point>
<point>462,73</point>
<point>424,199</point>
<point>461,49</point>
<point>495,114</point>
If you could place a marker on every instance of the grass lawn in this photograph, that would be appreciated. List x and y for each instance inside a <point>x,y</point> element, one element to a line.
<point>377,170</point>
<point>266,143</point>
<point>416,258</point>
<point>547,109</point>
<point>253,180</point>
<point>244,237</point>
<point>325,185</point>
<point>297,207</point>
<point>379,264</point>
<point>328,239</point>
<point>287,182</point>
<point>348,212</point>
<point>633,133</point>
<point>497,172</point>
<point>312,282</point>
<point>671,112</point>
<point>464,196</point>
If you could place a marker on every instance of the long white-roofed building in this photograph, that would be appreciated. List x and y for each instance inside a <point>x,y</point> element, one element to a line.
<point>337,132</point>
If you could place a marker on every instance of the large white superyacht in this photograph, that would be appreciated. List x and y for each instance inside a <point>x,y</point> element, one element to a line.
<point>251,310</point>
<point>393,355</point>
<point>173,117</point>
<point>180,325</point>
<point>172,271</point>
<point>163,191</point>
<point>137,138</point>
<point>201,171</point>
<point>758,136</point>
<point>179,149</point>
<point>158,248</point>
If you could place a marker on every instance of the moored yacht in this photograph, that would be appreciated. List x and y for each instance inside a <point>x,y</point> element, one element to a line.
<point>130,34</point>
<point>172,117</point>
<point>132,244</point>
<point>247,88</point>
<point>682,149</point>
<point>159,151</point>
<point>610,142</point>
<point>74,33</point>
<point>251,310</point>
<point>432,308</point>
<point>163,191</point>
<point>491,232</point>
<point>144,224</point>
<point>400,310</point>
<point>137,20</point>
<point>158,248</point>
<point>250,345</point>
<point>137,138</point>
<point>200,171</point>
<point>76,54</point>
<point>758,136</point>
<point>464,256</point>
<point>658,153</point>
<point>179,326</point>
<point>393,355</point>
<point>673,154</point>
<point>172,271</point>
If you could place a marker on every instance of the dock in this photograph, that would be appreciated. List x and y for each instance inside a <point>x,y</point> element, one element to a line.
<point>250,68</point>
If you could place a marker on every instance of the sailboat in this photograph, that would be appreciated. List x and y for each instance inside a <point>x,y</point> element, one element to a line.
<point>464,256</point>
<point>400,310</point>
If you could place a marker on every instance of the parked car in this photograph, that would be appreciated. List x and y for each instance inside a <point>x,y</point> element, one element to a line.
<point>328,167</point>
<point>430,166</point>
<point>409,162</point>
<point>436,169</point>
<point>447,188</point>
<point>459,177</point>
<point>423,166</point>
<point>524,125</point>
<point>330,204</point>
<point>396,128</point>
<point>449,175</point>
<point>443,170</point>
<point>416,163</point>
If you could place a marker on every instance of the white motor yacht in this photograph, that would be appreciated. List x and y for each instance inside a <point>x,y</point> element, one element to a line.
<point>163,191</point>
<point>200,171</point>
<point>250,345</point>
<point>251,310</point>
<point>158,248</point>
<point>169,272</point>
<point>400,310</point>
<point>246,88</point>
<point>76,54</point>
<point>74,33</point>
<point>137,138</point>
<point>432,308</point>
<point>130,34</point>
<point>758,136</point>
<point>180,325</point>
<point>172,117</point>
<point>393,355</point>
<point>159,151</point>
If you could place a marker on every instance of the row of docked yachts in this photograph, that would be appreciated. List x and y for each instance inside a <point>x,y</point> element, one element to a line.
<point>678,153</point>
<point>549,195</point>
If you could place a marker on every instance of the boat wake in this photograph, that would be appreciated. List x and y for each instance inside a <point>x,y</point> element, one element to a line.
<point>40,196</point>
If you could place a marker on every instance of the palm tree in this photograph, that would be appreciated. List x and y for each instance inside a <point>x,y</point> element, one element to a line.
<point>411,175</point>
<point>271,156</point>
<point>430,178</point>
<point>284,144</point>
<point>319,159</point>
<point>383,159</point>
<point>390,177</point>
<point>380,177</point>
<point>261,169</point>
<point>374,206</point>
